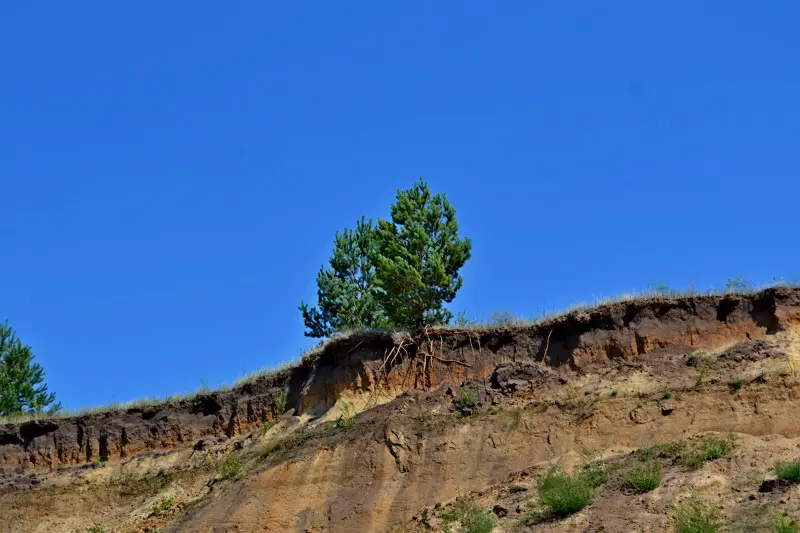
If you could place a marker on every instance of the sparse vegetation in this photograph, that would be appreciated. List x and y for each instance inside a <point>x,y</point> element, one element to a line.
<point>467,517</point>
<point>695,358</point>
<point>613,393</point>
<point>162,506</point>
<point>96,528</point>
<point>564,494</point>
<point>467,399</point>
<point>707,449</point>
<point>789,471</point>
<point>231,466</point>
<point>666,394</point>
<point>281,401</point>
<point>695,515</point>
<point>736,383</point>
<point>292,441</point>
<point>645,477</point>
<point>783,523</point>
<point>515,417</point>
<point>665,450</point>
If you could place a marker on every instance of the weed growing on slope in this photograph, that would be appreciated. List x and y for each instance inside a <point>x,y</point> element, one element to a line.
<point>645,477</point>
<point>736,383</point>
<point>783,523</point>
<point>707,449</point>
<point>231,466</point>
<point>467,399</point>
<point>281,402</point>
<point>468,517</point>
<point>665,450</point>
<point>696,515</point>
<point>96,528</point>
<point>564,494</point>
<point>289,443</point>
<point>162,506</point>
<point>789,471</point>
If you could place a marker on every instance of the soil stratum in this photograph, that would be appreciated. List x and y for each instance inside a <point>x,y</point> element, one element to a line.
<point>380,432</point>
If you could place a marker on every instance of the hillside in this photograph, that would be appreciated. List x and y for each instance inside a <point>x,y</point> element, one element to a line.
<point>381,431</point>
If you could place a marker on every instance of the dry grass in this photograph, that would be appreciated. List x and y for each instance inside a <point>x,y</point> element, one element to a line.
<point>655,292</point>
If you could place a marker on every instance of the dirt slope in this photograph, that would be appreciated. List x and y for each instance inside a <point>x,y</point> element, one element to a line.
<point>601,382</point>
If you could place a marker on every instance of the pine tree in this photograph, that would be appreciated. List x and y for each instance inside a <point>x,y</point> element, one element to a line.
<point>346,289</point>
<point>22,388</point>
<point>419,254</point>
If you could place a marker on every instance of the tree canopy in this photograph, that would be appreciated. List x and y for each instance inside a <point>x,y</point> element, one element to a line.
<point>398,274</point>
<point>419,257</point>
<point>346,289</point>
<point>22,388</point>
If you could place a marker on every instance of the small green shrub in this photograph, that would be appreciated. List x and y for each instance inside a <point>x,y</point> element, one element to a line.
<point>493,410</point>
<point>613,393</point>
<point>695,358</point>
<point>707,449</point>
<point>467,399</point>
<point>789,470</point>
<point>645,477</point>
<point>468,517</point>
<point>564,494</point>
<point>783,523</point>
<point>696,516</point>
<point>162,506</point>
<point>593,474</point>
<point>667,394</point>
<point>515,417</point>
<point>281,402</point>
<point>736,383</point>
<point>231,466</point>
<point>97,528</point>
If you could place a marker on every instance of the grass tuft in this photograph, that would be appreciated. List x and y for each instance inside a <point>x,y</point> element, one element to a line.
<point>783,523</point>
<point>707,449</point>
<point>696,515</point>
<point>645,477</point>
<point>665,450</point>
<point>468,517</point>
<point>736,383</point>
<point>231,466</point>
<point>564,494</point>
<point>162,506</point>
<point>789,471</point>
<point>467,399</point>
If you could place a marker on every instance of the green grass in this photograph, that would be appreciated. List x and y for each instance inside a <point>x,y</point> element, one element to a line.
<point>613,393</point>
<point>666,394</point>
<point>645,477</point>
<point>736,383</point>
<point>789,471</point>
<point>231,466</point>
<point>665,450</point>
<point>467,398</point>
<point>564,494</point>
<point>281,402</point>
<point>96,528</point>
<point>162,506</point>
<point>696,515</point>
<point>695,358</point>
<point>276,446</point>
<point>468,517</point>
<point>783,523</point>
<point>707,449</point>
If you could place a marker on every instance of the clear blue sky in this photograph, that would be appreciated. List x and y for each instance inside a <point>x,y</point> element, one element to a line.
<point>173,172</point>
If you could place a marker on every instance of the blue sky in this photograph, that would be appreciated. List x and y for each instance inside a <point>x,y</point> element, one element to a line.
<point>173,173</point>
